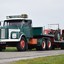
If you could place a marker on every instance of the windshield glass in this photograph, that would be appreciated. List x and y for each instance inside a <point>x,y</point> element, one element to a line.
<point>17,22</point>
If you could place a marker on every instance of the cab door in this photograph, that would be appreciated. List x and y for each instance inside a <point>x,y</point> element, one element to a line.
<point>27,28</point>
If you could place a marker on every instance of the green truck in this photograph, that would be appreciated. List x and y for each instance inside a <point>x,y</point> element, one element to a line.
<point>17,31</point>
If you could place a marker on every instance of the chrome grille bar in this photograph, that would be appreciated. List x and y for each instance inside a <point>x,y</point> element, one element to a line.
<point>2,33</point>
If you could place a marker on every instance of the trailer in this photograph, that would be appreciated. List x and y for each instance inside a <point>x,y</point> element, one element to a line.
<point>58,36</point>
<point>17,31</point>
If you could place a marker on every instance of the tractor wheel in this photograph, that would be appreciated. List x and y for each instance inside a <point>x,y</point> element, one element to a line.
<point>48,45</point>
<point>22,45</point>
<point>43,45</point>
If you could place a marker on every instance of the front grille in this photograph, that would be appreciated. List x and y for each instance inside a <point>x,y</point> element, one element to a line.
<point>2,33</point>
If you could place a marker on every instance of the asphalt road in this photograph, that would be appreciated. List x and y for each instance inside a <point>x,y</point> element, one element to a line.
<point>14,56</point>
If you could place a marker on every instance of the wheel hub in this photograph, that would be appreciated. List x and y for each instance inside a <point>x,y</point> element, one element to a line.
<point>22,44</point>
<point>43,44</point>
<point>49,44</point>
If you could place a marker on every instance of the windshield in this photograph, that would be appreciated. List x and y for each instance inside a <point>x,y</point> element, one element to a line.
<point>17,22</point>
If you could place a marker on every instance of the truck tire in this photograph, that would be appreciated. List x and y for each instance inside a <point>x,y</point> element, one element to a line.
<point>43,45</point>
<point>48,45</point>
<point>22,45</point>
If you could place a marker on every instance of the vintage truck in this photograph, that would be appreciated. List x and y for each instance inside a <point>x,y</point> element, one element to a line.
<point>17,31</point>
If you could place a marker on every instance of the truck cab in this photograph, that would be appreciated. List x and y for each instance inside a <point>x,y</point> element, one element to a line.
<point>16,29</point>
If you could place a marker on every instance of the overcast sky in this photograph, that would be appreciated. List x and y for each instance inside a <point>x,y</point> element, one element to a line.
<point>42,12</point>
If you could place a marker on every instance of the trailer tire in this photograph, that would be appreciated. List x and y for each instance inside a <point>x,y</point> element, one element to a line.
<point>22,45</point>
<point>43,45</point>
<point>48,45</point>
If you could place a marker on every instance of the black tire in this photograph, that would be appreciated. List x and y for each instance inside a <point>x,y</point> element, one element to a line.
<point>57,35</point>
<point>48,45</point>
<point>22,45</point>
<point>43,45</point>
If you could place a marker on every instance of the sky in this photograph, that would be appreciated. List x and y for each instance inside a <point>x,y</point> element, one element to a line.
<point>42,12</point>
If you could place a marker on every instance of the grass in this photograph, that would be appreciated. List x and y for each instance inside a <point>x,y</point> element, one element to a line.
<point>11,49</point>
<point>59,59</point>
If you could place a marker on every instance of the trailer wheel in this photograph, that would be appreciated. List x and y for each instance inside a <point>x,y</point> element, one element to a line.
<point>49,45</point>
<point>43,45</point>
<point>22,45</point>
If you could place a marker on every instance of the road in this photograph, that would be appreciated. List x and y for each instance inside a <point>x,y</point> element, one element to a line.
<point>15,56</point>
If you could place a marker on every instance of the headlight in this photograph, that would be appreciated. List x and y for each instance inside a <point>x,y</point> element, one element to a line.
<point>14,35</point>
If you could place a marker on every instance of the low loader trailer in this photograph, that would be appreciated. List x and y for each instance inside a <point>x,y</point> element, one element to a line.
<point>17,31</point>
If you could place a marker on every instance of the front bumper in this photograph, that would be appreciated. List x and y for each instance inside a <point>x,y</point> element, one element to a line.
<point>9,40</point>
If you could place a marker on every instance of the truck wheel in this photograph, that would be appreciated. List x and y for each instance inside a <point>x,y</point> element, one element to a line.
<point>48,45</point>
<point>43,45</point>
<point>22,45</point>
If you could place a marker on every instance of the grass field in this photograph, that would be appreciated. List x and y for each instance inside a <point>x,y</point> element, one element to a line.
<point>11,49</point>
<point>59,59</point>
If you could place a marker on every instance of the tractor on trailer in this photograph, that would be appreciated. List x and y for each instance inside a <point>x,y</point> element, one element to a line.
<point>17,31</point>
